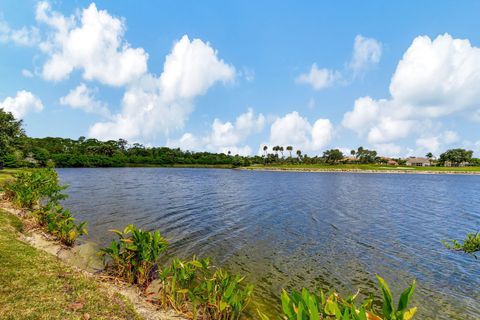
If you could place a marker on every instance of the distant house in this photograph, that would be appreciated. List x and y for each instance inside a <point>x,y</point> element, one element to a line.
<point>388,161</point>
<point>452,164</point>
<point>418,162</point>
<point>349,159</point>
<point>392,162</point>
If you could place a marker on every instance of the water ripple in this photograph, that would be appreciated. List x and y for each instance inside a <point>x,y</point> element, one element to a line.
<point>289,230</point>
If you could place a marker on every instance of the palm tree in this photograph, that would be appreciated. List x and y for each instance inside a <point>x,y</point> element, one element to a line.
<point>352,152</point>
<point>275,149</point>
<point>299,154</point>
<point>281,150</point>
<point>290,148</point>
<point>429,155</point>
<point>265,148</point>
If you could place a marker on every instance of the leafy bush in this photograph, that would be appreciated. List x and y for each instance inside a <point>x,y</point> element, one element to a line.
<point>60,223</point>
<point>471,244</point>
<point>32,188</point>
<point>40,189</point>
<point>134,255</point>
<point>196,288</point>
<point>306,305</point>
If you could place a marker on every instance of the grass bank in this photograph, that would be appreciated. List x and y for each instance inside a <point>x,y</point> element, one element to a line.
<point>36,285</point>
<point>6,174</point>
<point>365,168</point>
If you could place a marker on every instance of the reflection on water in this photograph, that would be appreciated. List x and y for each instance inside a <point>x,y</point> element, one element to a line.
<point>289,230</point>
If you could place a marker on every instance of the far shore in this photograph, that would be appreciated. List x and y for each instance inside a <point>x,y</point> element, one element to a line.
<point>412,170</point>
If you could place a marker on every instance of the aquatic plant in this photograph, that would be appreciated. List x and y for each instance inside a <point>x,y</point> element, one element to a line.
<point>41,189</point>
<point>38,187</point>
<point>134,255</point>
<point>226,296</point>
<point>199,290</point>
<point>180,282</point>
<point>60,223</point>
<point>470,244</point>
<point>305,305</point>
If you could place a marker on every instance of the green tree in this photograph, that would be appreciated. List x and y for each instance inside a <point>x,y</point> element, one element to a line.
<point>456,156</point>
<point>299,154</point>
<point>11,133</point>
<point>265,151</point>
<point>429,155</point>
<point>276,149</point>
<point>332,156</point>
<point>366,156</point>
<point>289,149</point>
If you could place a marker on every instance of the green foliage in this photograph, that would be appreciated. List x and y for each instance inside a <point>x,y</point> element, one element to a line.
<point>402,312</point>
<point>470,244</point>
<point>332,156</point>
<point>365,155</point>
<point>11,133</point>
<point>40,189</point>
<point>306,305</point>
<point>60,223</point>
<point>35,188</point>
<point>197,289</point>
<point>134,255</point>
<point>118,153</point>
<point>456,156</point>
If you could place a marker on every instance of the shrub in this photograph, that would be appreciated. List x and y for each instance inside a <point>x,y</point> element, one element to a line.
<point>134,255</point>
<point>40,189</point>
<point>32,188</point>
<point>306,305</point>
<point>196,288</point>
<point>471,244</point>
<point>60,223</point>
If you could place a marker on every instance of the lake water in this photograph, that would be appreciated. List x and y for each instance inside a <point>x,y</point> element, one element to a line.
<point>292,230</point>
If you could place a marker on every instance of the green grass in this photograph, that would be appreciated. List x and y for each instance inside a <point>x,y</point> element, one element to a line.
<point>5,175</point>
<point>377,167</point>
<point>36,285</point>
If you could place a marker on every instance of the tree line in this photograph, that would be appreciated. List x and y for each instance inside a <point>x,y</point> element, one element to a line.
<point>19,150</point>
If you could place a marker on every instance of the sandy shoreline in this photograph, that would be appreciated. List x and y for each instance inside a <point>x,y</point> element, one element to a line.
<point>370,171</point>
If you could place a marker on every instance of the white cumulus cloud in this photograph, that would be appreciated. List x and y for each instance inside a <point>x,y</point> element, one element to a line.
<point>437,143</point>
<point>366,53</point>
<point>27,73</point>
<point>161,105</point>
<point>225,136</point>
<point>93,43</point>
<point>83,98</point>
<point>23,36</point>
<point>22,104</point>
<point>295,130</point>
<point>319,78</point>
<point>434,78</point>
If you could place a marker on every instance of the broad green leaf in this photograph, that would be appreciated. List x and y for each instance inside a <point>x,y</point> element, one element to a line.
<point>388,307</point>
<point>405,297</point>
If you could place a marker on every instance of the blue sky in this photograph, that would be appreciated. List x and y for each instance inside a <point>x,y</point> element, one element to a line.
<point>400,77</point>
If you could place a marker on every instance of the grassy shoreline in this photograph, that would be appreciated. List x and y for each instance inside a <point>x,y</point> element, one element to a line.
<point>37,285</point>
<point>365,168</point>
